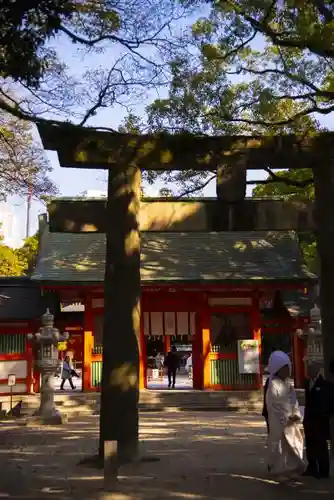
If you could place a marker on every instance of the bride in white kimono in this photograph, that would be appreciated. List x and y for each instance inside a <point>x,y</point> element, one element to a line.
<point>285,439</point>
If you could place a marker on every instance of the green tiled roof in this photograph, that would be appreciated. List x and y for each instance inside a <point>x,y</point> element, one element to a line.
<point>171,257</point>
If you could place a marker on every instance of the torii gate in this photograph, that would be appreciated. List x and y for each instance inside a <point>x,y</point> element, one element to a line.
<point>125,156</point>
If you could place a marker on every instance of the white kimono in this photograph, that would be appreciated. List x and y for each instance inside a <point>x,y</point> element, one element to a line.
<point>285,440</point>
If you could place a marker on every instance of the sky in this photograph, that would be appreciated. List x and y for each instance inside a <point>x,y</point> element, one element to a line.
<point>72,182</point>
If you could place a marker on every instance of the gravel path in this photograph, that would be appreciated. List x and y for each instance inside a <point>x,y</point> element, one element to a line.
<point>203,456</point>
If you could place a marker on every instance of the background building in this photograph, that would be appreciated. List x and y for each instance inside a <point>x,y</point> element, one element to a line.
<point>10,229</point>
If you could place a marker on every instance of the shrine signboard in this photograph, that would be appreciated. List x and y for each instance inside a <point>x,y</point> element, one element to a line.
<point>248,356</point>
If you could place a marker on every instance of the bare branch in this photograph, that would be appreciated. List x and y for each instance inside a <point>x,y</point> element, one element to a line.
<point>195,189</point>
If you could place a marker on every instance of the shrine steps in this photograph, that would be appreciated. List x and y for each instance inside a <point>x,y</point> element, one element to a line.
<point>79,403</point>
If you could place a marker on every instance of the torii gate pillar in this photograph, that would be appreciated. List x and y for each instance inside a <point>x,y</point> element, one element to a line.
<point>120,376</point>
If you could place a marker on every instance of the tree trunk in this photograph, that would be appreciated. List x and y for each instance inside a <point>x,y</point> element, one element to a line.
<point>120,372</point>
<point>324,223</point>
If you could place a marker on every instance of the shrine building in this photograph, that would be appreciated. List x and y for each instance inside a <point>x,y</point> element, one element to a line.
<point>217,294</point>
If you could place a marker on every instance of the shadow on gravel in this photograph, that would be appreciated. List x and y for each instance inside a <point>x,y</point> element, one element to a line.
<point>203,456</point>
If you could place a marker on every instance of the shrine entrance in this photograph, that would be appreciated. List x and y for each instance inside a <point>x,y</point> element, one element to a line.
<point>162,331</point>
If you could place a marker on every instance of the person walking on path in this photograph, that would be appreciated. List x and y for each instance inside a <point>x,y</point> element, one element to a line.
<point>285,440</point>
<point>66,373</point>
<point>318,399</point>
<point>189,366</point>
<point>172,363</point>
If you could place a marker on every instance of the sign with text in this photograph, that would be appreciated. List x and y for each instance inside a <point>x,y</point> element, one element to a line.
<point>248,356</point>
<point>11,380</point>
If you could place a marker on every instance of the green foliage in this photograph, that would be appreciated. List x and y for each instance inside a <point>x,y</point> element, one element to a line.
<point>10,264</point>
<point>25,27</point>
<point>309,252</point>
<point>257,67</point>
<point>132,124</point>
<point>27,254</point>
<point>165,193</point>
<point>136,37</point>
<point>289,192</point>
<point>20,261</point>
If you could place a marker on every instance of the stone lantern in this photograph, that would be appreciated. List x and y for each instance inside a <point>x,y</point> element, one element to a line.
<point>46,344</point>
<point>313,336</point>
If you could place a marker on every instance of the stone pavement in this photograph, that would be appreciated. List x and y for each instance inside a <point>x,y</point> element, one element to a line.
<point>203,456</point>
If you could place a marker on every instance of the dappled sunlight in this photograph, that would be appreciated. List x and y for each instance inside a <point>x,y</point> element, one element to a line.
<point>163,215</point>
<point>80,147</point>
<point>252,478</point>
<point>200,456</point>
<point>156,431</point>
<point>124,377</point>
<point>189,496</point>
<point>192,256</point>
<point>86,478</point>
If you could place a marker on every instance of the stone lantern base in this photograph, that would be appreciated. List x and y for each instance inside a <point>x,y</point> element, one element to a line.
<point>47,413</point>
<point>55,419</point>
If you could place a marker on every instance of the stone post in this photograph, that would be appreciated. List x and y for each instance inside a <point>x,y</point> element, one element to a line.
<point>46,341</point>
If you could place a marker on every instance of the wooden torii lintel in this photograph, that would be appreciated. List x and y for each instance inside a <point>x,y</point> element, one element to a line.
<point>94,149</point>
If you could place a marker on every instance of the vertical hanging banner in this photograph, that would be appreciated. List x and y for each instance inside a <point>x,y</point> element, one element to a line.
<point>170,325</point>
<point>183,323</point>
<point>157,324</point>
<point>147,324</point>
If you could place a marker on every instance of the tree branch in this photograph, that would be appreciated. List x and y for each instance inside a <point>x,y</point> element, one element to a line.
<point>277,38</point>
<point>286,180</point>
<point>280,123</point>
<point>195,189</point>
<point>328,94</point>
<point>18,112</point>
<point>323,10</point>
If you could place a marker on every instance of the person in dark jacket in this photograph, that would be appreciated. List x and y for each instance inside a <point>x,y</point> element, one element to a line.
<point>318,397</point>
<point>265,411</point>
<point>172,363</point>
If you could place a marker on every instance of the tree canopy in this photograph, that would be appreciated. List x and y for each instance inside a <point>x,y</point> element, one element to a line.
<point>23,165</point>
<point>136,38</point>
<point>25,27</point>
<point>298,192</point>
<point>10,264</point>
<point>19,261</point>
<point>256,67</point>
<point>27,254</point>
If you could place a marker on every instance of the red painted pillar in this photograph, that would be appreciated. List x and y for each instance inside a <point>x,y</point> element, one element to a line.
<point>88,344</point>
<point>256,328</point>
<point>30,365</point>
<point>166,344</point>
<point>197,354</point>
<point>142,355</point>
<point>205,345</point>
<point>36,374</point>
